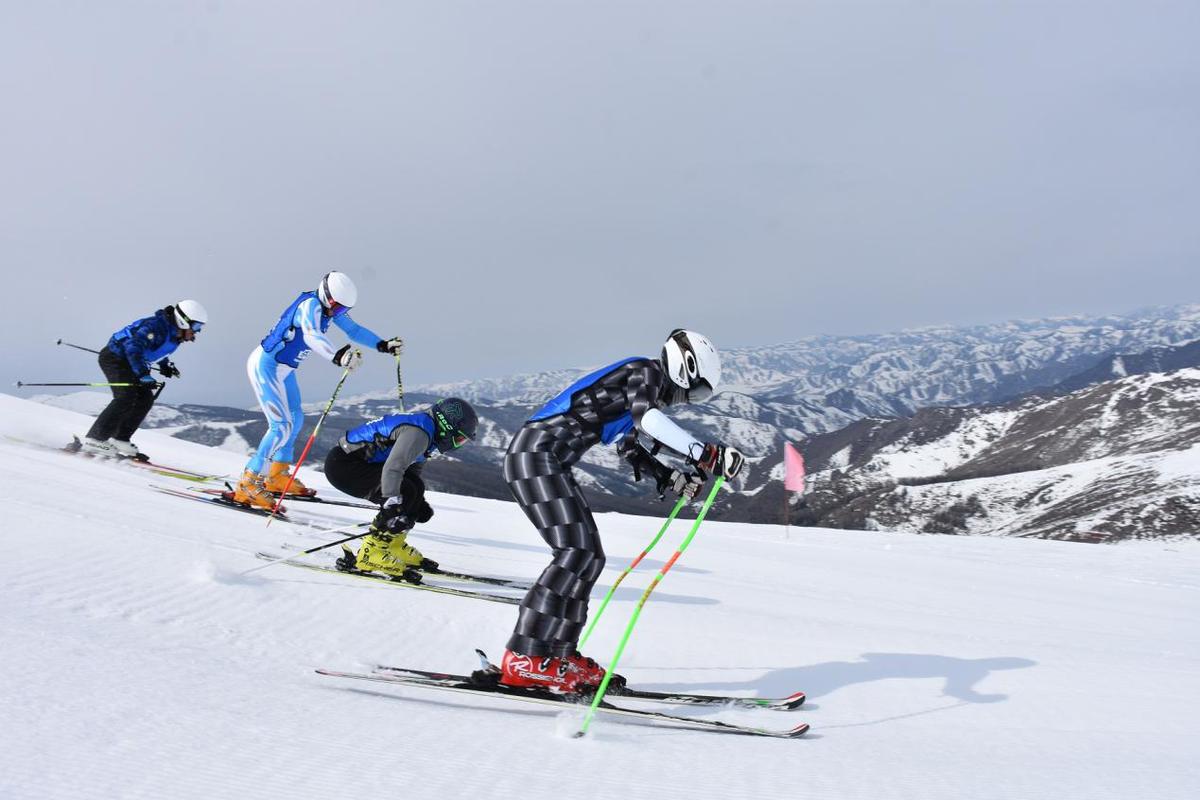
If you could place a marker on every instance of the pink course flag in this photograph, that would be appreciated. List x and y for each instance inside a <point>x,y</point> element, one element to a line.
<point>793,464</point>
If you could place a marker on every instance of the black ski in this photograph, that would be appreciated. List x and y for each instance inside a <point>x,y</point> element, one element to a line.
<point>142,460</point>
<point>411,581</point>
<point>470,685</point>
<point>490,580</point>
<point>312,498</point>
<point>789,703</point>
<point>76,448</point>
<point>221,501</point>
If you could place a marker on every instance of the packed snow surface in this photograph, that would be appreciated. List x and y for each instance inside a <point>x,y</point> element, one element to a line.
<point>138,662</point>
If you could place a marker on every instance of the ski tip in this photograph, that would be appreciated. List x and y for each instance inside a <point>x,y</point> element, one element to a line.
<point>792,701</point>
<point>798,731</point>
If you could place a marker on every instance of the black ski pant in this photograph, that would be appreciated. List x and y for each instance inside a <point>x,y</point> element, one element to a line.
<point>357,477</point>
<point>354,475</point>
<point>130,404</point>
<point>554,610</point>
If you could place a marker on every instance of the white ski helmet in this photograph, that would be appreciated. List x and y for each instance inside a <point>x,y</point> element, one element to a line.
<point>189,314</point>
<point>337,289</point>
<point>692,364</point>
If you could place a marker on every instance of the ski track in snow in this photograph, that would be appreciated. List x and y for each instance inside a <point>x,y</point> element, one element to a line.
<point>139,663</point>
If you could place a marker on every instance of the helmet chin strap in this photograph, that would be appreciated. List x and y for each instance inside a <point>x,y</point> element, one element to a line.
<point>672,394</point>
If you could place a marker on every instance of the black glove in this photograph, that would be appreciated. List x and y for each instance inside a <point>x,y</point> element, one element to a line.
<point>168,369</point>
<point>391,518</point>
<point>412,495</point>
<point>347,357</point>
<point>393,345</point>
<point>642,461</point>
<point>719,459</point>
<point>681,483</point>
<point>665,478</point>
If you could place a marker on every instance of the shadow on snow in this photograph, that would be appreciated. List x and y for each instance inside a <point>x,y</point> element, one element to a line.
<point>816,680</point>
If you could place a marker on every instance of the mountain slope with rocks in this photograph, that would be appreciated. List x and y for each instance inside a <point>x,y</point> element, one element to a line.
<point>1116,459</point>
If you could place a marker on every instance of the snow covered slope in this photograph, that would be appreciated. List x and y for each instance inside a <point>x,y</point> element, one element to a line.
<point>137,663</point>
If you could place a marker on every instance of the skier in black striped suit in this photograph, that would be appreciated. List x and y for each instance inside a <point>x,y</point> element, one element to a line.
<point>611,405</point>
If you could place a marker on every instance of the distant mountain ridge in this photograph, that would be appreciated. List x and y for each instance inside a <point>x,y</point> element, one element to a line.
<point>1157,359</point>
<point>821,383</point>
<point>825,392</point>
<point>1103,460</point>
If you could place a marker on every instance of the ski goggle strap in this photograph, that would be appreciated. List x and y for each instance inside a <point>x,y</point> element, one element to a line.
<point>328,301</point>
<point>188,321</point>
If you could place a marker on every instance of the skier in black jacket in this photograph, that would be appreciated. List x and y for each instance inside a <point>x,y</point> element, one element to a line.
<point>381,461</point>
<point>126,360</point>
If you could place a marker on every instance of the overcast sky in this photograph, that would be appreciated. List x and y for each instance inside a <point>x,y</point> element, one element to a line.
<point>518,186</point>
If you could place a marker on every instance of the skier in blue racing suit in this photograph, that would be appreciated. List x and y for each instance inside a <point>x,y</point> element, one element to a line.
<point>272,365</point>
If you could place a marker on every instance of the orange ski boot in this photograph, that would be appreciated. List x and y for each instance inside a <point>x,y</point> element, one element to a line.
<point>277,482</point>
<point>251,492</point>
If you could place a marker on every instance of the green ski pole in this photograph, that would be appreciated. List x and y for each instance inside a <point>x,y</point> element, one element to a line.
<point>608,673</point>
<point>604,603</point>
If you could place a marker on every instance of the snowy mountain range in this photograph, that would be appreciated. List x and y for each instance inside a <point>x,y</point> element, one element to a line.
<point>1116,459</point>
<point>849,393</point>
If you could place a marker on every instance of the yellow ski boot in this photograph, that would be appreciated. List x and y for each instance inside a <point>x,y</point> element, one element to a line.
<point>251,492</point>
<point>401,550</point>
<point>387,553</point>
<point>277,481</point>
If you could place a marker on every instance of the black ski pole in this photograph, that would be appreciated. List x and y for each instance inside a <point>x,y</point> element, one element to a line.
<point>78,347</point>
<point>23,383</point>
<point>314,549</point>
<point>154,367</point>
<point>399,384</point>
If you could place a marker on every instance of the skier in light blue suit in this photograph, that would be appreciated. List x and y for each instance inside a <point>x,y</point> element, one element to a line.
<point>272,365</point>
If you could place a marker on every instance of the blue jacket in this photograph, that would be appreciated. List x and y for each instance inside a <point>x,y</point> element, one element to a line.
<point>377,436</point>
<point>288,342</point>
<point>561,403</point>
<point>146,340</point>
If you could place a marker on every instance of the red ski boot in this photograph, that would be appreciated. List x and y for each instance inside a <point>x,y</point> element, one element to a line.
<point>574,674</point>
<point>540,672</point>
<point>590,673</point>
